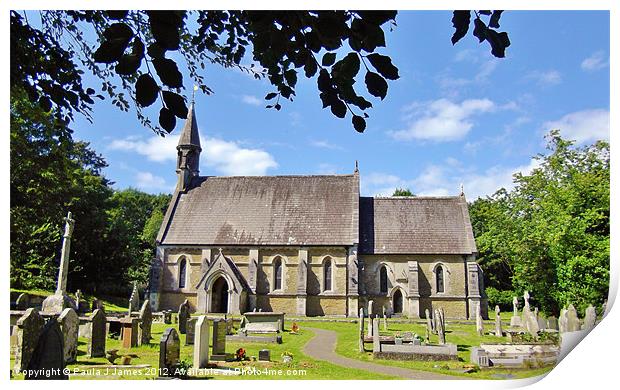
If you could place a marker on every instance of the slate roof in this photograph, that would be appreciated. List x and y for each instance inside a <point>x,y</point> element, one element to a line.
<point>265,210</point>
<point>415,225</point>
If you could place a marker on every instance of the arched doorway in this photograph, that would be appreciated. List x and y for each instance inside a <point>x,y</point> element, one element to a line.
<point>398,302</point>
<point>219,296</point>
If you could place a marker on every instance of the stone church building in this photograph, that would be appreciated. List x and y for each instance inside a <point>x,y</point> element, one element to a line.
<point>310,246</point>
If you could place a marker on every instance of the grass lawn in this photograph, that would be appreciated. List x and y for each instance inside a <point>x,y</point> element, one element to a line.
<point>302,367</point>
<point>463,335</point>
<point>111,304</point>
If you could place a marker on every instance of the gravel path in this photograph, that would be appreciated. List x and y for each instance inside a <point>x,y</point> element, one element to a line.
<point>322,347</point>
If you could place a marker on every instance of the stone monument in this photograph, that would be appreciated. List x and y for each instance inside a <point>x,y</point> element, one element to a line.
<point>498,322</point>
<point>146,320</point>
<point>29,328</point>
<point>134,299</point>
<point>219,340</point>
<point>96,344</point>
<point>201,343</point>
<point>182,316</point>
<point>515,321</point>
<point>169,353</point>
<point>479,324</point>
<point>590,319</point>
<point>69,323</point>
<point>48,358</point>
<point>361,330</point>
<point>60,300</point>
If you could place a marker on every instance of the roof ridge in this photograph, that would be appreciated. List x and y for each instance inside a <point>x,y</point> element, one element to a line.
<point>270,176</point>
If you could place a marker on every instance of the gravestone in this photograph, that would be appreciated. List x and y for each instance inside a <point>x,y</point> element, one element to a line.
<point>29,328</point>
<point>434,321</point>
<point>442,318</point>
<point>429,326</point>
<point>531,323</point>
<point>191,329</point>
<point>590,318</point>
<point>515,321</point>
<point>146,321</point>
<point>218,351</point>
<point>48,357</point>
<point>376,341</point>
<point>498,322</point>
<point>23,301</point>
<point>552,323</point>
<point>201,342</point>
<point>96,304</point>
<point>563,322</point>
<point>167,317</point>
<point>385,328</point>
<point>169,352</point>
<point>370,308</point>
<point>78,300</point>
<point>479,323</point>
<point>264,355</point>
<point>60,300</point>
<point>182,316</point>
<point>69,323</point>
<point>361,330</point>
<point>573,323</point>
<point>96,344</point>
<point>130,332</point>
<point>134,299</point>
<point>439,324</point>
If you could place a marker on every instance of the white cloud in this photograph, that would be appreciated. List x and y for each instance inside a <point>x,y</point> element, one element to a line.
<point>441,120</point>
<point>595,62</point>
<point>225,157</point>
<point>252,100</point>
<point>582,126</point>
<point>325,145</point>
<point>549,77</point>
<point>147,181</point>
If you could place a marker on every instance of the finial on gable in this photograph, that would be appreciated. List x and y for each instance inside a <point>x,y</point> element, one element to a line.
<point>357,168</point>
<point>194,93</point>
<point>462,190</point>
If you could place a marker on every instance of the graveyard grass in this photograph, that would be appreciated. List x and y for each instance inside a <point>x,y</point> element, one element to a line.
<point>347,345</point>
<point>112,304</point>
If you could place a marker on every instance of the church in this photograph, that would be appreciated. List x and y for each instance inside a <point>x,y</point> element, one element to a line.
<point>310,246</point>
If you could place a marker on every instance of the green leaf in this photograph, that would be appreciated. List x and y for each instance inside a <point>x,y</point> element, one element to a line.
<point>328,59</point>
<point>383,64</point>
<point>347,68</point>
<point>359,123</point>
<point>146,90</point>
<point>166,119</point>
<point>376,85</point>
<point>460,22</point>
<point>168,72</point>
<point>175,103</point>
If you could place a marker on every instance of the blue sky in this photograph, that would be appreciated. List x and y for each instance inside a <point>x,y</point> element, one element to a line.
<point>456,115</point>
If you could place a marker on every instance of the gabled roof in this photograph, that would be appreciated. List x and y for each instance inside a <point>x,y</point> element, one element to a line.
<point>229,267</point>
<point>415,225</point>
<point>265,210</point>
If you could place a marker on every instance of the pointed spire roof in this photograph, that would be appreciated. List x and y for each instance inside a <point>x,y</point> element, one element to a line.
<point>189,134</point>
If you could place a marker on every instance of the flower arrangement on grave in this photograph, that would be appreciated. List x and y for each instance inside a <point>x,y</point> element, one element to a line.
<point>240,354</point>
<point>294,328</point>
<point>287,357</point>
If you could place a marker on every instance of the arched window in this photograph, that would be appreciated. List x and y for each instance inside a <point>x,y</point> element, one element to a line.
<point>327,275</point>
<point>439,279</point>
<point>383,279</point>
<point>182,272</point>
<point>277,274</point>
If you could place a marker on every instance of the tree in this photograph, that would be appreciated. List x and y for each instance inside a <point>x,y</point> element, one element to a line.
<point>550,234</point>
<point>138,48</point>
<point>403,192</point>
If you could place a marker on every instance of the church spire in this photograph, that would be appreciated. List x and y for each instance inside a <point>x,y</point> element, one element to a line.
<point>188,150</point>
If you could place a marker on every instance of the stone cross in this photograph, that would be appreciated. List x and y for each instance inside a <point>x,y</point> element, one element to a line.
<point>48,355</point>
<point>96,344</point>
<point>69,324</point>
<point>169,352</point>
<point>201,343</point>
<point>590,318</point>
<point>526,302</point>
<point>361,330</point>
<point>146,320</point>
<point>29,328</point>
<point>498,322</point>
<point>61,288</point>
<point>515,306</point>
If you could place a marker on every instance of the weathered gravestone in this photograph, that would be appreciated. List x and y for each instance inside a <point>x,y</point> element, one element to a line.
<point>515,321</point>
<point>264,355</point>
<point>376,341</point>
<point>498,322</point>
<point>219,340</point>
<point>48,357</point>
<point>439,324</point>
<point>552,323</point>
<point>542,323</point>
<point>169,352</point>
<point>361,330</point>
<point>201,343</point>
<point>563,322</point>
<point>96,344</point>
<point>573,323</point>
<point>167,317</point>
<point>370,309</point>
<point>29,328</point>
<point>69,323</point>
<point>130,332</point>
<point>479,323</point>
<point>429,325</point>
<point>590,319</point>
<point>385,327</point>
<point>23,301</point>
<point>134,299</point>
<point>146,321</point>
<point>97,304</point>
<point>191,329</point>
<point>182,316</point>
